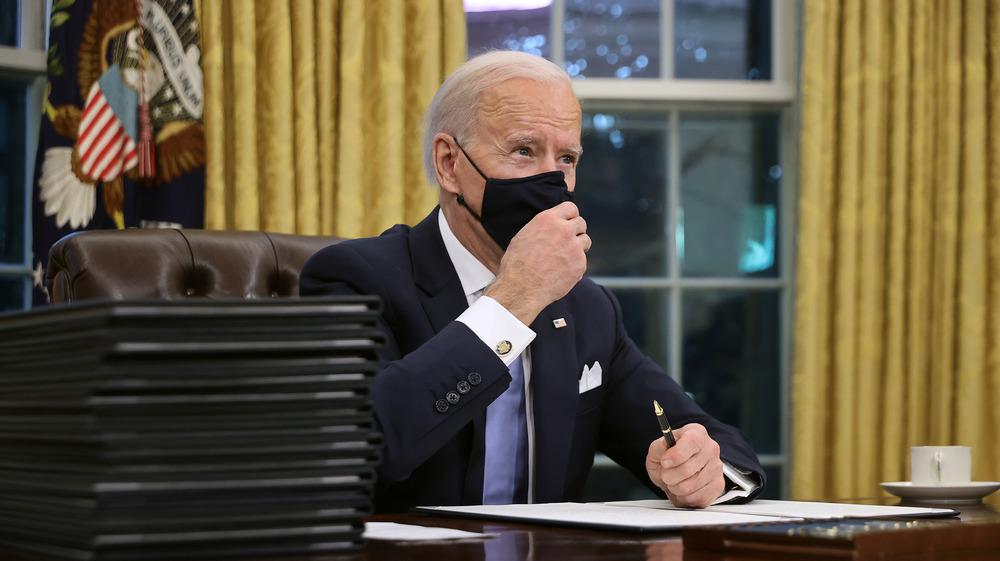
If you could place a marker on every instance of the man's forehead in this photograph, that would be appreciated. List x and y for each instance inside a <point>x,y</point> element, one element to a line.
<point>526,104</point>
<point>521,94</point>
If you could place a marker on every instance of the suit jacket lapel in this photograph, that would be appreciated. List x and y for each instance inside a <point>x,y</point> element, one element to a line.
<point>434,273</point>
<point>555,393</point>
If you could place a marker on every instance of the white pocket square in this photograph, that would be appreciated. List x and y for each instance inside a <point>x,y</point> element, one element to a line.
<point>591,377</point>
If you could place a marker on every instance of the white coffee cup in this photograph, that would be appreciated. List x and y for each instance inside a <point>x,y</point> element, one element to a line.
<point>940,465</point>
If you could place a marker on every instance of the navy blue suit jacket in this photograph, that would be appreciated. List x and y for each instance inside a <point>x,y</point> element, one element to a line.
<point>436,458</point>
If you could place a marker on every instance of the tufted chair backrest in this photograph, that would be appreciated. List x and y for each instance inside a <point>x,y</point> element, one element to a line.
<point>174,264</point>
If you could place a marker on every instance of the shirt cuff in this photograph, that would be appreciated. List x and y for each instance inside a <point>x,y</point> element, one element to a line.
<point>497,328</point>
<point>739,484</point>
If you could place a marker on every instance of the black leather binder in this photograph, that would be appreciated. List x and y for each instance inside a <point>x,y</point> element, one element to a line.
<point>188,429</point>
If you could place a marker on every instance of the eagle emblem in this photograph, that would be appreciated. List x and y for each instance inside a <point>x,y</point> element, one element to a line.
<point>160,62</point>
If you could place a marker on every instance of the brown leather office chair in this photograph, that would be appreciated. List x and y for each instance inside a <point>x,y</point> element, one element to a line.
<point>175,264</point>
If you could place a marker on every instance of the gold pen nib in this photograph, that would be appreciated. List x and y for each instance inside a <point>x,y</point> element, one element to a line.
<point>668,434</point>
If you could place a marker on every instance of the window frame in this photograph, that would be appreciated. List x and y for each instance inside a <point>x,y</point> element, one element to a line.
<point>675,96</point>
<point>27,63</point>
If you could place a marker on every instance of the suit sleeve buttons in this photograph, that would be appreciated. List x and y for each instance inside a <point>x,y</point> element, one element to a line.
<point>475,378</point>
<point>452,397</point>
<point>463,387</point>
<point>441,405</point>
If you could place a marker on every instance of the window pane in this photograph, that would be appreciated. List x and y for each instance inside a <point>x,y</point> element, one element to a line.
<point>645,312</point>
<point>621,192</point>
<point>13,99</point>
<point>612,38</point>
<point>722,39</point>
<point>10,21</point>
<point>12,291</point>
<point>773,489</point>
<point>730,188</point>
<point>731,359</point>
<point>526,29</point>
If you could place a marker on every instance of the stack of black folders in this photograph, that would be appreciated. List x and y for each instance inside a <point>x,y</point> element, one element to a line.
<point>171,430</point>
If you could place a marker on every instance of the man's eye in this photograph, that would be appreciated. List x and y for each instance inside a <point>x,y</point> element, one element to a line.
<point>523,152</point>
<point>569,160</point>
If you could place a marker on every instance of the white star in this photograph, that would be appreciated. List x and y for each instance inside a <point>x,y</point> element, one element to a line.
<point>185,9</point>
<point>38,275</point>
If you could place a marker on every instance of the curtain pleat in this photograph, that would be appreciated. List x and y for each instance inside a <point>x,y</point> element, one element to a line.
<point>275,101</point>
<point>872,237</point>
<point>971,409</point>
<point>350,195</point>
<point>846,263</point>
<point>920,264</point>
<point>810,383</point>
<point>899,109</point>
<point>327,23</point>
<point>898,280</point>
<point>306,127</point>
<point>992,365</point>
<point>314,107</point>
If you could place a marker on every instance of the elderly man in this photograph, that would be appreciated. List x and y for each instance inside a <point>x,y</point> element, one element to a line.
<point>505,369</point>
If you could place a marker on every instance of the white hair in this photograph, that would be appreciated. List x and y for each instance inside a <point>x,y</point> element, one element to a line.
<point>454,109</point>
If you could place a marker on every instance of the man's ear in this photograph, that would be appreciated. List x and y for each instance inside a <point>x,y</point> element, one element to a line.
<point>445,159</point>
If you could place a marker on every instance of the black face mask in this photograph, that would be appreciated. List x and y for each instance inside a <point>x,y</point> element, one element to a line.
<point>509,204</point>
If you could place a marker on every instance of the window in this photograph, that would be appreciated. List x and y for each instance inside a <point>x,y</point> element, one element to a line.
<point>22,69</point>
<point>688,133</point>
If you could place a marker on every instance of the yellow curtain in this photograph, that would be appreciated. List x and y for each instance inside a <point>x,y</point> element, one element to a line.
<point>313,111</point>
<point>897,323</point>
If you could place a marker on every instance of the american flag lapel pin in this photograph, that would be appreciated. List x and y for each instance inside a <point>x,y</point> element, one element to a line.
<point>559,322</point>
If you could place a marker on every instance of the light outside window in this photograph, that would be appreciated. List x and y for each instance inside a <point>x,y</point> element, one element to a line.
<point>22,68</point>
<point>688,135</point>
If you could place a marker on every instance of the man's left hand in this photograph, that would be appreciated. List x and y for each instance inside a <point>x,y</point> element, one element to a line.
<point>690,473</point>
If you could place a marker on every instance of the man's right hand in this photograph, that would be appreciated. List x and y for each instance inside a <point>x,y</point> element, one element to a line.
<point>543,263</point>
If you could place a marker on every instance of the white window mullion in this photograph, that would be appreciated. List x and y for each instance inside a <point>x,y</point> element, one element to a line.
<point>789,224</point>
<point>673,187</point>
<point>34,24</point>
<point>667,39</point>
<point>784,16</point>
<point>687,90</point>
<point>557,32</point>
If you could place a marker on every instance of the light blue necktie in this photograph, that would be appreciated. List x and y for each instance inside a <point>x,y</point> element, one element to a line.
<point>505,475</point>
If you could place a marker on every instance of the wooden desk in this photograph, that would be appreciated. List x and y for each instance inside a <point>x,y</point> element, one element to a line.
<point>543,543</point>
<point>521,542</point>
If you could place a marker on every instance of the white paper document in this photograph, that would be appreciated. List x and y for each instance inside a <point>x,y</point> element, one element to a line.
<point>411,532</point>
<point>800,509</point>
<point>596,515</point>
<point>661,515</point>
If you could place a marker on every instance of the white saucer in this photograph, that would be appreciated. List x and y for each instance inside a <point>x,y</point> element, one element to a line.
<point>971,493</point>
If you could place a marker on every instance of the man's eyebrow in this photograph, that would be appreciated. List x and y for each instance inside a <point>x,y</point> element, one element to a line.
<point>520,139</point>
<point>527,139</point>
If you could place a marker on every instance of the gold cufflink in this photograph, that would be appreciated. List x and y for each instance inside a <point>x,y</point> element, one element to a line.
<point>503,348</point>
